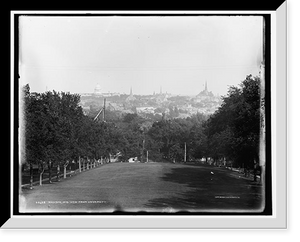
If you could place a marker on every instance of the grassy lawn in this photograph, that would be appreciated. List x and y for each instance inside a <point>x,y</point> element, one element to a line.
<point>149,187</point>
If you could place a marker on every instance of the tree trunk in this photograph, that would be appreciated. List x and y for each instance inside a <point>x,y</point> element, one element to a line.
<point>58,172</point>
<point>41,171</point>
<point>79,161</point>
<point>70,170</point>
<point>50,173</point>
<point>65,172</point>
<point>65,169</point>
<point>41,178</point>
<point>31,176</point>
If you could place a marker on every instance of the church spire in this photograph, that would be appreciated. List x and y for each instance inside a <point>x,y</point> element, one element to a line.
<point>206,86</point>
<point>130,97</point>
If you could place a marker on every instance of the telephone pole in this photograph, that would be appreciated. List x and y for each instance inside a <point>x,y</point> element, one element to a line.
<point>184,152</point>
<point>104,110</point>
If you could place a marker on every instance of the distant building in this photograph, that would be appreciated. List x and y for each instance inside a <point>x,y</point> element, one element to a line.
<point>85,94</point>
<point>110,94</point>
<point>205,94</point>
<point>97,90</point>
<point>161,97</point>
<point>148,105</point>
<point>131,97</point>
<point>145,110</point>
<point>114,106</point>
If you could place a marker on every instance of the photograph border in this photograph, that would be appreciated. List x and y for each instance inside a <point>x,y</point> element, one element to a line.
<point>278,139</point>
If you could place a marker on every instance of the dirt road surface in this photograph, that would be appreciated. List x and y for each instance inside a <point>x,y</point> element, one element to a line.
<point>146,187</point>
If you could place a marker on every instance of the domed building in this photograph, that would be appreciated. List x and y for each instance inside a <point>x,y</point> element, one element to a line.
<point>97,90</point>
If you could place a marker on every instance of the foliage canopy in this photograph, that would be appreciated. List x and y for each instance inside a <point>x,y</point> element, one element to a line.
<point>56,129</point>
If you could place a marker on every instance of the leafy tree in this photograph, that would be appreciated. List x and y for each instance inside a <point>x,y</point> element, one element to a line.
<point>51,126</point>
<point>55,129</point>
<point>198,141</point>
<point>176,152</point>
<point>129,117</point>
<point>233,130</point>
<point>170,135</point>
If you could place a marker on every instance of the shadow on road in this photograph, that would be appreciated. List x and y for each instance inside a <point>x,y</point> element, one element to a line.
<point>209,188</point>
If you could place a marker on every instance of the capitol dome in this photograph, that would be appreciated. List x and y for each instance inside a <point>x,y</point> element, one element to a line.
<point>97,89</point>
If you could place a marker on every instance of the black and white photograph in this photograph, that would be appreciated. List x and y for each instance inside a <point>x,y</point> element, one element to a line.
<point>152,114</point>
<point>143,114</point>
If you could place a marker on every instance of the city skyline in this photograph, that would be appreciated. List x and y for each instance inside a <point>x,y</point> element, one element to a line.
<point>179,54</point>
<point>99,90</point>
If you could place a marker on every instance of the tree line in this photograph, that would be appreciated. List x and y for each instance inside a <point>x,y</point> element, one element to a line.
<point>233,130</point>
<point>56,130</point>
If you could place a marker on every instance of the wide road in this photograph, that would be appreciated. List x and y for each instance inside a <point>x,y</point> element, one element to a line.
<point>148,187</point>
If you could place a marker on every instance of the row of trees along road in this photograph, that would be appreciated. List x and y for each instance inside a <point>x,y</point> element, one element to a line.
<point>233,130</point>
<point>55,131</point>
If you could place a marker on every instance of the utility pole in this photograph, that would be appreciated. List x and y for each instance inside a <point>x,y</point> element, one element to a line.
<point>184,152</point>
<point>142,158</point>
<point>104,110</point>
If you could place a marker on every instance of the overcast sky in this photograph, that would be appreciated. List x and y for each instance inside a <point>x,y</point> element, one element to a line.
<point>177,53</point>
